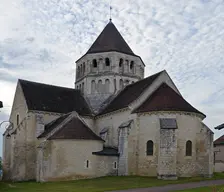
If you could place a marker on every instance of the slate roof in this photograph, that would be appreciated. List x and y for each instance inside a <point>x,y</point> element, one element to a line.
<point>53,124</point>
<point>107,151</point>
<point>49,98</point>
<point>166,99</point>
<point>75,129</point>
<point>110,40</point>
<point>129,94</point>
<point>219,141</point>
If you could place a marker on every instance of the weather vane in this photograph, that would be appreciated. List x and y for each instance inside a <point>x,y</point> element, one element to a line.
<point>110,12</point>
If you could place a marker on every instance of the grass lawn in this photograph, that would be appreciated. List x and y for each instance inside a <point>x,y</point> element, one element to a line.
<point>219,188</point>
<point>95,185</point>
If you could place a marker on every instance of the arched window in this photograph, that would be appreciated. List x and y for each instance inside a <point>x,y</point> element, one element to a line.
<point>107,86</point>
<point>93,86</point>
<point>121,84</point>
<point>149,147</point>
<point>81,71</point>
<point>121,63</point>
<point>132,67</point>
<point>17,119</point>
<point>84,68</point>
<point>83,87</point>
<point>100,86</point>
<point>188,148</point>
<point>94,63</point>
<point>78,72</point>
<point>107,62</point>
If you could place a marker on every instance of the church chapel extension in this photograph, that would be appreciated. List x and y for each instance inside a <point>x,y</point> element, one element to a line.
<point>114,122</point>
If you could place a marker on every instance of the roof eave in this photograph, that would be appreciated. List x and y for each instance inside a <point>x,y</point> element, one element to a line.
<point>111,51</point>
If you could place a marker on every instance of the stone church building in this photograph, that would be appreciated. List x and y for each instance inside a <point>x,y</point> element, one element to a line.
<point>114,122</point>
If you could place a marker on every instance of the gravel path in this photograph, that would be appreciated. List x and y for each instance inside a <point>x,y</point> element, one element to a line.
<point>177,187</point>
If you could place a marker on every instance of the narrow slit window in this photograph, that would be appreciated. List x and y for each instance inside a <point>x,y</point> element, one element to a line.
<point>87,163</point>
<point>115,165</point>
<point>188,148</point>
<point>17,119</point>
<point>149,148</point>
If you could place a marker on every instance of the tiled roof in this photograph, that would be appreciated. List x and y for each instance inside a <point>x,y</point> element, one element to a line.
<point>53,124</point>
<point>75,129</point>
<point>107,151</point>
<point>219,141</point>
<point>110,40</point>
<point>49,98</point>
<point>129,94</point>
<point>166,99</point>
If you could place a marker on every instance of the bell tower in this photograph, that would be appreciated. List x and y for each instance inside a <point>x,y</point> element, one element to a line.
<point>107,67</point>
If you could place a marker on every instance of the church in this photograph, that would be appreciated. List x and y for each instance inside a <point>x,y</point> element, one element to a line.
<point>113,122</point>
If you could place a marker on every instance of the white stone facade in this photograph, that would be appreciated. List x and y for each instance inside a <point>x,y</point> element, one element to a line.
<point>144,148</point>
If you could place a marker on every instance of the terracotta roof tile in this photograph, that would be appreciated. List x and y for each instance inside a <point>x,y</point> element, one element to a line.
<point>166,99</point>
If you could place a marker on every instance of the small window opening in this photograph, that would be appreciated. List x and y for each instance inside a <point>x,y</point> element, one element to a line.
<point>149,148</point>
<point>84,68</point>
<point>115,165</point>
<point>121,62</point>
<point>107,61</point>
<point>132,65</point>
<point>188,148</point>
<point>94,63</point>
<point>87,164</point>
<point>17,119</point>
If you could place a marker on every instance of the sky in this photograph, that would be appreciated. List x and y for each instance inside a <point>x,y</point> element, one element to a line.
<point>40,40</point>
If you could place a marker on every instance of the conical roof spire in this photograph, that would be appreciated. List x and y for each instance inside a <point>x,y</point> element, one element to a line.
<point>110,40</point>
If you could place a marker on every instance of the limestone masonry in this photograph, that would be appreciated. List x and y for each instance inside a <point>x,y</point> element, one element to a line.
<point>115,122</point>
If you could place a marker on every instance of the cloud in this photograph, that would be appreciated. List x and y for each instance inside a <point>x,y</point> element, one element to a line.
<point>41,39</point>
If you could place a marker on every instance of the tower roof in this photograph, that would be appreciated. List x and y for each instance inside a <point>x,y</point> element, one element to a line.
<point>110,39</point>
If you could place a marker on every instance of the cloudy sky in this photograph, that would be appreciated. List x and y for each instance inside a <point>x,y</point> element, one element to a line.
<point>41,39</point>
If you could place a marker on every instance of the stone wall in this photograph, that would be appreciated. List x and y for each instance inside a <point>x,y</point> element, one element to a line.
<point>67,159</point>
<point>219,158</point>
<point>17,116</point>
<point>189,126</point>
<point>105,166</point>
<point>105,77</point>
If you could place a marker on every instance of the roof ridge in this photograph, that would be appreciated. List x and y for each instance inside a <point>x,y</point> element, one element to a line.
<point>145,78</point>
<point>161,86</point>
<point>219,138</point>
<point>102,111</point>
<point>45,84</point>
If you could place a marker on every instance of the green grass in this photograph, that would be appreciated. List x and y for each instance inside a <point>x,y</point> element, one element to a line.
<point>219,188</point>
<point>95,185</point>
